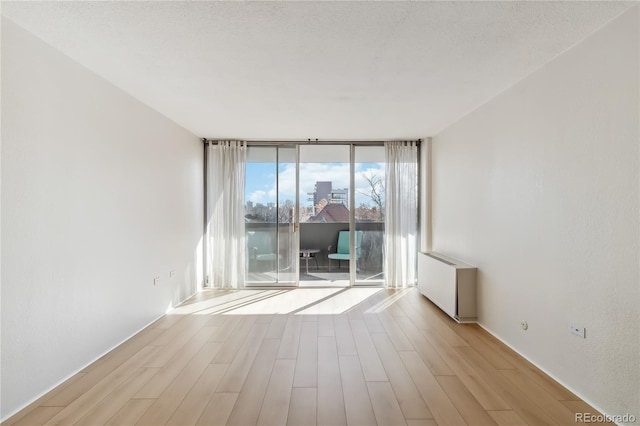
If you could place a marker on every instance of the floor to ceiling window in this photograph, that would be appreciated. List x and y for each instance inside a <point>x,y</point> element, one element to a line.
<point>320,214</point>
<point>302,203</point>
<point>325,212</point>
<point>369,182</point>
<point>270,197</point>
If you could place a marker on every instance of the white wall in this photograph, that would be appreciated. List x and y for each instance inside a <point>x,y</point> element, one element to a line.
<point>539,189</point>
<point>100,194</point>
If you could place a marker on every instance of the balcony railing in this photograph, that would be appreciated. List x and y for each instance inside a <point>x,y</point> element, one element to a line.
<point>270,247</point>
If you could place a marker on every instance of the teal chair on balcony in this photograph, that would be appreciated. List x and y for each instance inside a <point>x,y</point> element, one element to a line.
<point>342,252</point>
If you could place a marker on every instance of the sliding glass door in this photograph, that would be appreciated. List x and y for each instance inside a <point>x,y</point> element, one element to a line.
<point>325,215</point>
<point>270,212</point>
<point>315,215</point>
<point>369,181</point>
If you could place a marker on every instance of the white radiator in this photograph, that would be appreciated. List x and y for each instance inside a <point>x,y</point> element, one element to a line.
<point>450,284</point>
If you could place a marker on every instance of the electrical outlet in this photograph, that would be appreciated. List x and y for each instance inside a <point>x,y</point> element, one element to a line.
<point>156,280</point>
<point>172,273</point>
<point>578,330</point>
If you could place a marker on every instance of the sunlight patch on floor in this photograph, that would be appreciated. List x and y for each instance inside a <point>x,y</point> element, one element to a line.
<point>299,301</point>
<point>223,302</point>
<point>384,304</point>
<point>287,302</point>
<point>340,302</point>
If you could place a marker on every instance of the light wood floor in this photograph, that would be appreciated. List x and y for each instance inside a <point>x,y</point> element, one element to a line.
<point>330,357</point>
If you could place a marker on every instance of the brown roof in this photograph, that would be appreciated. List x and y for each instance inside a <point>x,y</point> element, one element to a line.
<point>332,213</point>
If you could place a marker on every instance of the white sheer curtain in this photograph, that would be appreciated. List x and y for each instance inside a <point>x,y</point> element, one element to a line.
<point>225,240</point>
<point>401,232</point>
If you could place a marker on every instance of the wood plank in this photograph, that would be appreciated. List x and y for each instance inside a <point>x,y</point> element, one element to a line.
<point>480,389</point>
<point>232,345</point>
<point>277,326</point>
<point>192,406</point>
<point>41,402</point>
<point>302,407</point>
<point>356,397</point>
<point>507,418</point>
<point>373,323</point>
<point>558,412</point>
<point>143,338</point>
<point>385,405</point>
<point>344,337</point>
<point>169,400</point>
<point>354,313</point>
<point>223,333</point>
<point>166,321</point>
<point>218,410</point>
<point>370,318</point>
<point>130,412</point>
<point>383,295</point>
<point>84,403</point>
<point>443,410</point>
<point>325,326</point>
<point>429,355</point>
<point>470,409</point>
<point>232,301</point>
<point>114,401</point>
<point>161,380</point>
<point>380,300</point>
<point>309,318</point>
<point>331,409</point>
<point>264,319</point>
<point>533,373</point>
<point>397,336</point>
<point>184,323</point>
<point>366,304</point>
<point>239,369</point>
<point>408,396</point>
<point>290,338</point>
<point>369,360</point>
<point>217,320</point>
<point>469,332</point>
<point>306,366</point>
<point>511,356</point>
<point>100,369</point>
<point>421,422</point>
<point>196,331</point>
<point>421,311</point>
<point>484,392</point>
<point>275,407</point>
<point>395,310</point>
<point>543,380</point>
<point>38,416</point>
<point>530,412</point>
<point>247,407</point>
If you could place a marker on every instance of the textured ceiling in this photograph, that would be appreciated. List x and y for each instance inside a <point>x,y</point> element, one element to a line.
<point>327,70</point>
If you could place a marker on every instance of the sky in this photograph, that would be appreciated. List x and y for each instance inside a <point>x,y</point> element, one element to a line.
<point>261,180</point>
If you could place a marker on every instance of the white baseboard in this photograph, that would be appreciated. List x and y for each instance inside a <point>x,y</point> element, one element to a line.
<point>91,362</point>
<point>571,389</point>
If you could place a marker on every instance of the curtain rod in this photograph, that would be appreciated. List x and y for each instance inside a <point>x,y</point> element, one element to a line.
<point>316,141</point>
